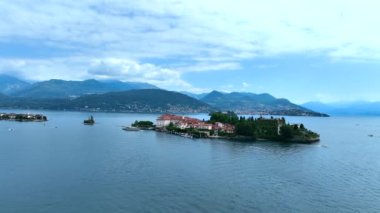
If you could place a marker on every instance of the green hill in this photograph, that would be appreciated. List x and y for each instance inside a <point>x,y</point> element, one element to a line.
<point>9,84</point>
<point>71,89</point>
<point>146,100</point>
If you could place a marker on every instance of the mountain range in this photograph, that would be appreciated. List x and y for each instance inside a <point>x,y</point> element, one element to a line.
<point>9,84</point>
<point>250,103</point>
<point>194,95</point>
<point>144,100</point>
<point>71,89</point>
<point>93,95</point>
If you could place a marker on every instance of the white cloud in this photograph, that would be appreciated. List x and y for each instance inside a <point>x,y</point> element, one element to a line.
<point>79,68</point>
<point>202,67</point>
<point>128,70</point>
<point>42,69</point>
<point>123,39</point>
<point>198,29</point>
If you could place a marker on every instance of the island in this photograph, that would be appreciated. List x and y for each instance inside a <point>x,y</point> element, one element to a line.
<point>146,125</point>
<point>22,117</point>
<point>89,121</point>
<point>140,125</point>
<point>228,125</point>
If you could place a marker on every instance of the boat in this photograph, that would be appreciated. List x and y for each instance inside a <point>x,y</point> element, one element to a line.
<point>186,135</point>
<point>89,121</point>
<point>128,128</point>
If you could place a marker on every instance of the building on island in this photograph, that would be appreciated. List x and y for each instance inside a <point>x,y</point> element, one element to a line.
<point>270,126</point>
<point>250,128</point>
<point>184,122</point>
<point>222,127</point>
<point>181,122</point>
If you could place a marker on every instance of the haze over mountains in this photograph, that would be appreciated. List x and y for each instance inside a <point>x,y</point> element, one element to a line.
<point>117,96</point>
<point>194,95</point>
<point>346,108</point>
<point>9,84</point>
<point>249,103</point>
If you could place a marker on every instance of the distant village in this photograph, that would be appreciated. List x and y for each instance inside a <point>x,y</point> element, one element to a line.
<point>22,117</point>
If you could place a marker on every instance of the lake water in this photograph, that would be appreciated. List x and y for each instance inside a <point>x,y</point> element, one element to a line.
<point>65,166</point>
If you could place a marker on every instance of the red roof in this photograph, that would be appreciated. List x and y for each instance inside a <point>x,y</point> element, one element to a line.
<point>178,118</point>
<point>194,122</point>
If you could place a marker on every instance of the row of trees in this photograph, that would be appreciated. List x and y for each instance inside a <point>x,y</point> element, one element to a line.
<point>270,128</point>
<point>243,126</point>
<point>227,117</point>
<point>143,124</point>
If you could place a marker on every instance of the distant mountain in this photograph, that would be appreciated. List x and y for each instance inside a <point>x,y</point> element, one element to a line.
<point>71,89</point>
<point>146,100</point>
<point>348,108</point>
<point>320,107</point>
<point>9,84</point>
<point>194,95</point>
<point>3,97</point>
<point>250,103</point>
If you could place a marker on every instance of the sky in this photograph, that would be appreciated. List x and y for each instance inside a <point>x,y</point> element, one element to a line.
<point>302,50</point>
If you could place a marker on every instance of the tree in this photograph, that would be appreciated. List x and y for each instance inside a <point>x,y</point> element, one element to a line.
<point>286,131</point>
<point>302,127</point>
<point>295,127</point>
<point>245,128</point>
<point>143,124</point>
<point>228,117</point>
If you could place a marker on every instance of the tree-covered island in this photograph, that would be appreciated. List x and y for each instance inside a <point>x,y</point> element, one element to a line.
<point>143,125</point>
<point>229,125</point>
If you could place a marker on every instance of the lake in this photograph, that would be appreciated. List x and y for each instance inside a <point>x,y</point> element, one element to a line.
<point>65,166</point>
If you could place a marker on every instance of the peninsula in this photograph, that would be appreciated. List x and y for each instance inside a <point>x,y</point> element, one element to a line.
<point>227,125</point>
<point>22,117</point>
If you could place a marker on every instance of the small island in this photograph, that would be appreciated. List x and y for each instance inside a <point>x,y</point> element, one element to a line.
<point>22,117</point>
<point>145,125</point>
<point>228,125</point>
<point>89,121</point>
<point>140,125</point>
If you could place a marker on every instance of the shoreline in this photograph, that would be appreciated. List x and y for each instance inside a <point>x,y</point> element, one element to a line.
<point>241,138</point>
<point>158,112</point>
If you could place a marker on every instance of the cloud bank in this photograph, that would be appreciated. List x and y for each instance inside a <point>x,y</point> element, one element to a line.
<point>157,41</point>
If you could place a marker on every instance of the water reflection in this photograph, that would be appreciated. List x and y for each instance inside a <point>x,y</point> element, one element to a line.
<point>76,168</point>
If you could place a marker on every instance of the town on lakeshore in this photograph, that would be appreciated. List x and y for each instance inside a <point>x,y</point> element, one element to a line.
<point>22,117</point>
<point>228,125</point>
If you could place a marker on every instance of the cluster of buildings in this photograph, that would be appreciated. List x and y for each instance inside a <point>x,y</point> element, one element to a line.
<point>184,122</point>
<point>22,117</point>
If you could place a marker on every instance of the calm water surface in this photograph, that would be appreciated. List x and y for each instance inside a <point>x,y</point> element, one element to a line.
<point>64,166</point>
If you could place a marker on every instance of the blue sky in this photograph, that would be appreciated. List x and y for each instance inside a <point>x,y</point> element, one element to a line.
<point>303,50</point>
